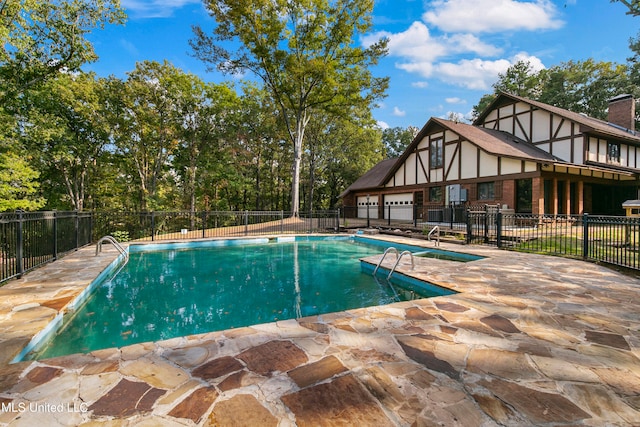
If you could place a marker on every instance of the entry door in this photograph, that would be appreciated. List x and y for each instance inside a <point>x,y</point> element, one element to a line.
<point>524,195</point>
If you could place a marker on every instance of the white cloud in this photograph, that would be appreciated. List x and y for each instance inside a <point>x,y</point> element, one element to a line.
<point>415,43</point>
<point>154,8</point>
<point>469,43</point>
<point>491,16</point>
<point>398,112</point>
<point>535,62</point>
<point>455,100</point>
<point>479,74</point>
<point>474,74</point>
<point>382,125</point>
<point>420,51</point>
<point>447,45</point>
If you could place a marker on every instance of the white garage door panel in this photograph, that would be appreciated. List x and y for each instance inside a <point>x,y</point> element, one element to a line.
<point>399,206</point>
<point>373,207</point>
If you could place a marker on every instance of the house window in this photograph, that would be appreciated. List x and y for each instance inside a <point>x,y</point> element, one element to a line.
<point>524,193</point>
<point>435,194</point>
<point>436,150</point>
<point>486,191</point>
<point>613,152</point>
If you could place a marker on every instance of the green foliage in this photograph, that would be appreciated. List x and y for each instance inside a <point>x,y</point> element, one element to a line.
<point>18,184</point>
<point>40,38</point>
<point>306,54</point>
<point>68,129</point>
<point>583,86</point>
<point>121,236</point>
<point>397,139</point>
<point>579,86</point>
<point>632,5</point>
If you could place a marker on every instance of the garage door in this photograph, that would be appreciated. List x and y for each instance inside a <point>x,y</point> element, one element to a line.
<point>399,206</point>
<point>373,207</point>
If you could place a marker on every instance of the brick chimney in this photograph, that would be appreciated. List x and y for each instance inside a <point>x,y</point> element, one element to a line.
<point>622,111</point>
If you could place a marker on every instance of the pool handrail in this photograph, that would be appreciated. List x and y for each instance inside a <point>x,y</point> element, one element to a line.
<point>398,262</point>
<point>115,243</point>
<point>389,249</point>
<point>435,230</point>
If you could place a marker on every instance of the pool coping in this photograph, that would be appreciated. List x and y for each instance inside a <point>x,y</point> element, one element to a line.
<point>490,341</point>
<point>42,336</point>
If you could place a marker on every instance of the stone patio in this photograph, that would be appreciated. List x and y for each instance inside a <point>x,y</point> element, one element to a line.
<point>529,340</point>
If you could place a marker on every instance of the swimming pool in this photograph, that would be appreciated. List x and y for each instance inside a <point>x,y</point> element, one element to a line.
<point>171,290</point>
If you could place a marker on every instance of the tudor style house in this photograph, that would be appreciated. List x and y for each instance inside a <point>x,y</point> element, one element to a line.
<point>519,154</point>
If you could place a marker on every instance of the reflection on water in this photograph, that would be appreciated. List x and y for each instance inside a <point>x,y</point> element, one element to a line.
<point>165,294</point>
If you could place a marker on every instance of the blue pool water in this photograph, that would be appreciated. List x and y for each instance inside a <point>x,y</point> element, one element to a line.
<point>167,291</point>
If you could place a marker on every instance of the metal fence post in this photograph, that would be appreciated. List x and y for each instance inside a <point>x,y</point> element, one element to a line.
<point>246,222</point>
<point>486,224</point>
<point>281,222</point>
<point>450,215</point>
<point>77,226</point>
<point>389,217</point>
<point>20,246</point>
<point>55,235</point>
<point>585,235</point>
<point>415,215</point>
<point>91,219</point>
<point>499,229</point>
<point>469,227</point>
<point>153,226</point>
<point>204,224</point>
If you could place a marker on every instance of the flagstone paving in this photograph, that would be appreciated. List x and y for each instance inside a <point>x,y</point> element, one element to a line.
<point>528,340</point>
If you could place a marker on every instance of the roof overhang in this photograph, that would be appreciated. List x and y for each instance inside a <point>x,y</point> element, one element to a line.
<point>591,170</point>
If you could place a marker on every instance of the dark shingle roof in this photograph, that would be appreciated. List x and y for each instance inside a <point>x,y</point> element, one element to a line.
<point>373,178</point>
<point>497,142</point>
<point>591,124</point>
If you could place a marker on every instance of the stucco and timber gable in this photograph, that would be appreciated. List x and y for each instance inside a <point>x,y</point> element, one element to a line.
<point>519,154</point>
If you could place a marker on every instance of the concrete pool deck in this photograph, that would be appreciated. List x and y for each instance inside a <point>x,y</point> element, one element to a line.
<point>529,340</point>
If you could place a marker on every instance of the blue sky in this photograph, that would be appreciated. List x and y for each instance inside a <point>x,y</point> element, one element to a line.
<point>443,54</point>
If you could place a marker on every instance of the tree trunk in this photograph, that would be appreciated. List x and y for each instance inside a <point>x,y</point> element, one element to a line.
<point>301,123</point>
<point>295,182</point>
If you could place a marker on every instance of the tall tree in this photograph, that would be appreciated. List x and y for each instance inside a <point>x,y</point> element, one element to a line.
<point>304,52</point>
<point>146,125</point>
<point>259,134</point>
<point>68,128</point>
<point>18,185</point>
<point>207,114</point>
<point>580,86</point>
<point>397,139</point>
<point>519,79</point>
<point>39,38</point>
<point>583,86</point>
<point>632,5</point>
<point>329,165</point>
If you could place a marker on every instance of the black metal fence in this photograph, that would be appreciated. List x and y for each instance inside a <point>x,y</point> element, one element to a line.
<point>610,239</point>
<point>31,239</point>
<point>187,225</point>
<point>28,240</point>
<point>453,217</point>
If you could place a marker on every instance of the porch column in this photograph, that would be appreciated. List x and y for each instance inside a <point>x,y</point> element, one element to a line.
<point>554,196</point>
<point>580,194</point>
<point>537,196</point>
<point>567,192</point>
